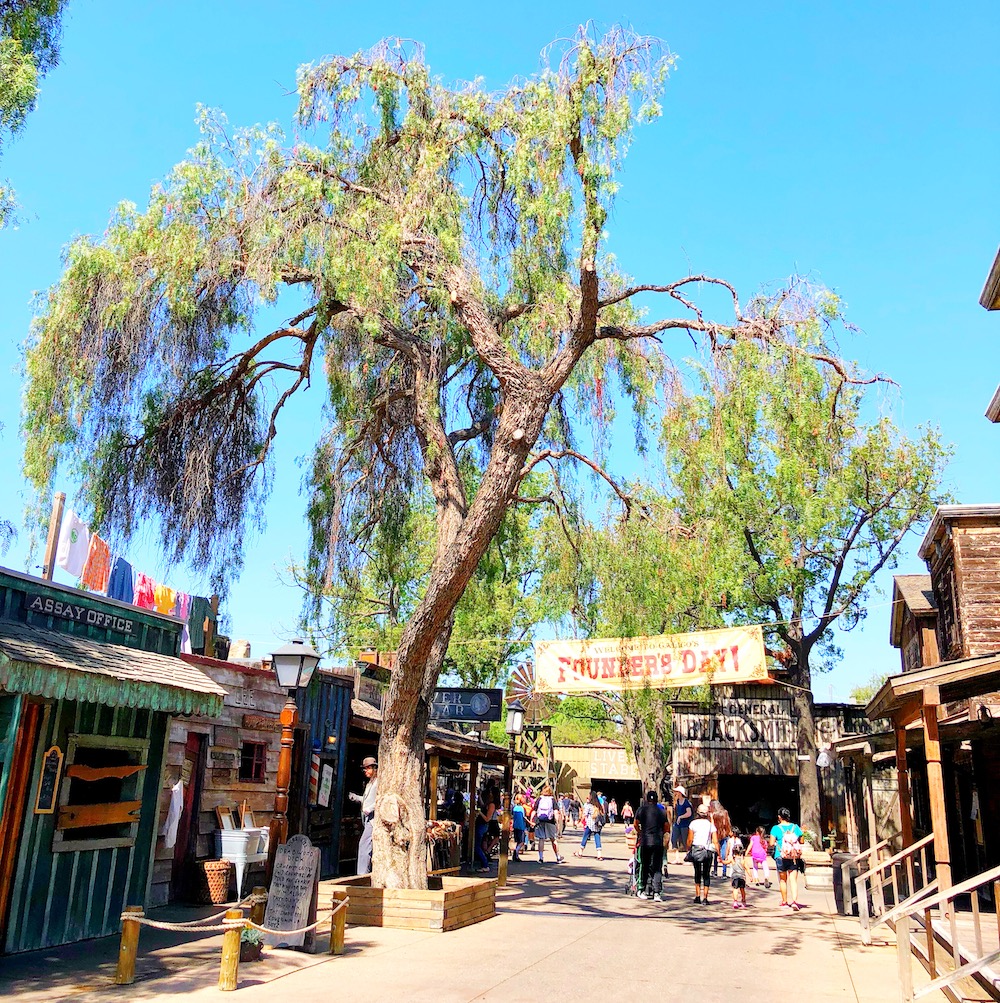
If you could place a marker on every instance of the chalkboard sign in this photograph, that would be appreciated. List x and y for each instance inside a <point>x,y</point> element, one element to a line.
<point>48,782</point>
<point>291,899</point>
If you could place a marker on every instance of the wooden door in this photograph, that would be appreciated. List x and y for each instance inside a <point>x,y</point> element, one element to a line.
<point>186,846</point>
<point>13,807</point>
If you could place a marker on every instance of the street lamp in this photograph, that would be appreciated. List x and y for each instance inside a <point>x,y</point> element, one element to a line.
<point>293,665</point>
<point>514,727</point>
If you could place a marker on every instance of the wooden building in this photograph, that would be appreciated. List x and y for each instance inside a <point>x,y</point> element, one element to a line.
<point>604,765</point>
<point>87,689</point>
<point>742,750</point>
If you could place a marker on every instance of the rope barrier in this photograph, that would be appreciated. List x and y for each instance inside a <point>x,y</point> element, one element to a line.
<point>189,927</point>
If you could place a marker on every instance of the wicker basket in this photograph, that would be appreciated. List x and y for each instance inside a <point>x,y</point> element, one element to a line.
<point>215,887</point>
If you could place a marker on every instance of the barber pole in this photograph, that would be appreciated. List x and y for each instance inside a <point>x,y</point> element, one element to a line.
<point>314,779</point>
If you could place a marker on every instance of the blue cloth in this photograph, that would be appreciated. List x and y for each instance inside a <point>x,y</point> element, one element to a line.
<point>586,835</point>
<point>778,831</point>
<point>518,812</point>
<point>481,857</point>
<point>120,584</point>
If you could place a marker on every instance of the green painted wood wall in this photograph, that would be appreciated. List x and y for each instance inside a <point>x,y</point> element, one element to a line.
<point>67,896</point>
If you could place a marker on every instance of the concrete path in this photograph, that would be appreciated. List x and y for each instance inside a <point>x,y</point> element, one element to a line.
<point>559,927</point>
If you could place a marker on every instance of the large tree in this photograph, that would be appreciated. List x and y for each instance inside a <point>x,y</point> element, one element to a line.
<point>442,251</point>
<point>29,48</point>
<point>784,443</point>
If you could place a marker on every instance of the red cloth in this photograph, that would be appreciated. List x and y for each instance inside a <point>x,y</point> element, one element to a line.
<point>145,591</point>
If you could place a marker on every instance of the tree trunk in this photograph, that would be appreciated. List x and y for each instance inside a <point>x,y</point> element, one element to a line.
<point>647,734</point>
<point>805,744</point>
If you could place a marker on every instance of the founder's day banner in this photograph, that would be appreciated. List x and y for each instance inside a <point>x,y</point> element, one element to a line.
<point>730,655</point>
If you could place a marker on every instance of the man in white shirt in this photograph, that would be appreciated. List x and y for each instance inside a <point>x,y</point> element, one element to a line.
<point>370,767</point>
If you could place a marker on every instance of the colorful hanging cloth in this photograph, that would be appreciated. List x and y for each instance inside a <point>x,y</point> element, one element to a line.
<point>121,585</point>
<point>97,570</point>
<point>145,595</point>
<point>201,610</point>
<point>182,611</point>
<point>74,542</point>
<point>164,599</point>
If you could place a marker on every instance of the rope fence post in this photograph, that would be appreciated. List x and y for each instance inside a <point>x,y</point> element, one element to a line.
<point>125,973</point>
<point>258,899</point>
<point>338,922</point>
<point>229,970</point>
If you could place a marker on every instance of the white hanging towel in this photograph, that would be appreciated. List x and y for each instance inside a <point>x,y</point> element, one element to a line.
<point>169,830</point>
<point>74,542</point>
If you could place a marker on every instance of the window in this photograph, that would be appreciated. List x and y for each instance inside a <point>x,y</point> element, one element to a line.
<point>253,763</point>
<point>101,795</point>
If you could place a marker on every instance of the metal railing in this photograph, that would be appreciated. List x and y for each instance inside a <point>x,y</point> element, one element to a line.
<point>967,960</point>
<point>896,881</point>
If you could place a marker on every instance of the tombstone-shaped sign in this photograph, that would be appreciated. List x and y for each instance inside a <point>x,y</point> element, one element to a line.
<point>291,899</point>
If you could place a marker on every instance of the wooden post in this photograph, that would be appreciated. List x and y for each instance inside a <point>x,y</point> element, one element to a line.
<point>279,820</point>
<point>473,811</point>
<point>432,783</point>
<point>229,971</point>
<point>506,823</point>
<point>903,784</point>
<point>338,923</point>
<point>52,542</point>
<point>257,909</point>
<point>125,973</point>
<point>904,959</point>
<point>935,786</point>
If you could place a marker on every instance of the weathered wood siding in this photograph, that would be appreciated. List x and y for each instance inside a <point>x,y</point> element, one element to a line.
<point>252,693</point>
<point>72,895</point>
<point>977,569</point>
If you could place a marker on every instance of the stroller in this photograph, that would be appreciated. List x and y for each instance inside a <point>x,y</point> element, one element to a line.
<point>636,879</point>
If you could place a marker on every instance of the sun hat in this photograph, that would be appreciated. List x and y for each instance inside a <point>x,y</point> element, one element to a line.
<point>680,790</point>
<point>369,761</point>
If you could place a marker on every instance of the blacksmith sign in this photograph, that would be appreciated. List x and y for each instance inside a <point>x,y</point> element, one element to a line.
<point>466,705</point>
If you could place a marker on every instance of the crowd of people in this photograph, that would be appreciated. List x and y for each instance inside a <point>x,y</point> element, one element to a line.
<point>658,834</point>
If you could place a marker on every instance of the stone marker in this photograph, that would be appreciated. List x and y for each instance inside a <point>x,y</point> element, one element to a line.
<point>291,899</point>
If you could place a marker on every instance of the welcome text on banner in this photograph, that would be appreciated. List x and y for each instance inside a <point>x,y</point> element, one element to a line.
<point>730,655</point>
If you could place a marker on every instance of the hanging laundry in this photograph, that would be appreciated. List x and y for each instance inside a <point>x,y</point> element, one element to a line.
<point>74,541</point>
<point>164,599</point>
<point>169,830</point>
<point>182,611</point>
<point>121,585</point>
<point>97,570</point>
<point>145,594</point>
<point>201,610</point>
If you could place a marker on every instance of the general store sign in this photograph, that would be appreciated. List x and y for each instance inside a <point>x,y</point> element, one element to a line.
<point>727,656</point>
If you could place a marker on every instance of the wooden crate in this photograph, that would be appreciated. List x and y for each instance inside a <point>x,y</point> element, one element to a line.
<point>448,904</point>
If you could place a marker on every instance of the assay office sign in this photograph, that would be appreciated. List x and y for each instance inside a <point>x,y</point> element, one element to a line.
<point>63,610</point>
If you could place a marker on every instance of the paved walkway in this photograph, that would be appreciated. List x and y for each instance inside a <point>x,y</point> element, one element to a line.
<point>558,925</point>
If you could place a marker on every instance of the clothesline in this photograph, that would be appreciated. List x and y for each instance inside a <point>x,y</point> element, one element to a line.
<point>85,555</point>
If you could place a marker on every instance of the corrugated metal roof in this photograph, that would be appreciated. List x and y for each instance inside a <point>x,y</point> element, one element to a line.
<point>66,666</point>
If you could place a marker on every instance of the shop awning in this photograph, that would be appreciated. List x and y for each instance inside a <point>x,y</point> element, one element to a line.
<point>44,663</point>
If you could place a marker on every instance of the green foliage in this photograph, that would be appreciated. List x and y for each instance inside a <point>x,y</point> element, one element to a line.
<point>778,443</point>
<point>864,693</point>
<point>579,720</point>
<point>29,47</point>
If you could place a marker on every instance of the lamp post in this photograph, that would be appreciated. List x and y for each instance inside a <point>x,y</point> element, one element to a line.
<point>293,665</point>
<point>514,727</point>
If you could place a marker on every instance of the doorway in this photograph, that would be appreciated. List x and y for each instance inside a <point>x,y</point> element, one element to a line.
<point>182,871</point>
<point>754,800</point>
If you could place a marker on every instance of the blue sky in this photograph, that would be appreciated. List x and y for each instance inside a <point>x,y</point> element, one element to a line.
<point>854,142</point>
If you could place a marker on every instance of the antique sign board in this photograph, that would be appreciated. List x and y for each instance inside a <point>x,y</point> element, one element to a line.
<point>465,704</point>
<point>291,899</point>
<point>727,656</point>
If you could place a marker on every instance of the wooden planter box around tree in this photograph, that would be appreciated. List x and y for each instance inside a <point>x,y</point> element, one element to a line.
<point>448,904</point>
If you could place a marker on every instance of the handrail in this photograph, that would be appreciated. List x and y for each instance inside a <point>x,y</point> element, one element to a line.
<point>861,853</point>
<point>848,887</point>
<point>907,905</point>
<point>966,960</point>
<point>897,857</point>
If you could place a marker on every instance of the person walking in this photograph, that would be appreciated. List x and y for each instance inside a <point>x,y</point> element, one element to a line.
<point>736,861</point>
<point>487,814</point>
<point>627,813</point>
<point>612,811</point>
<point>724,827</point>
<point>651,822</point>
<point>545,824</point>
<point>682,819</point>
<point>703,844</point>
<point>519,826</point>
<point>759,857</point>
<point>369,767</point>
<point>593,822</point>
<point>786,841</point>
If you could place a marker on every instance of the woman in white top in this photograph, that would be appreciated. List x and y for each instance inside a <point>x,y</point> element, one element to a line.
<point>703,845</point>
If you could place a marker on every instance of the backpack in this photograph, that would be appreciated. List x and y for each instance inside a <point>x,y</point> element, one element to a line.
<point>791,848</point>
